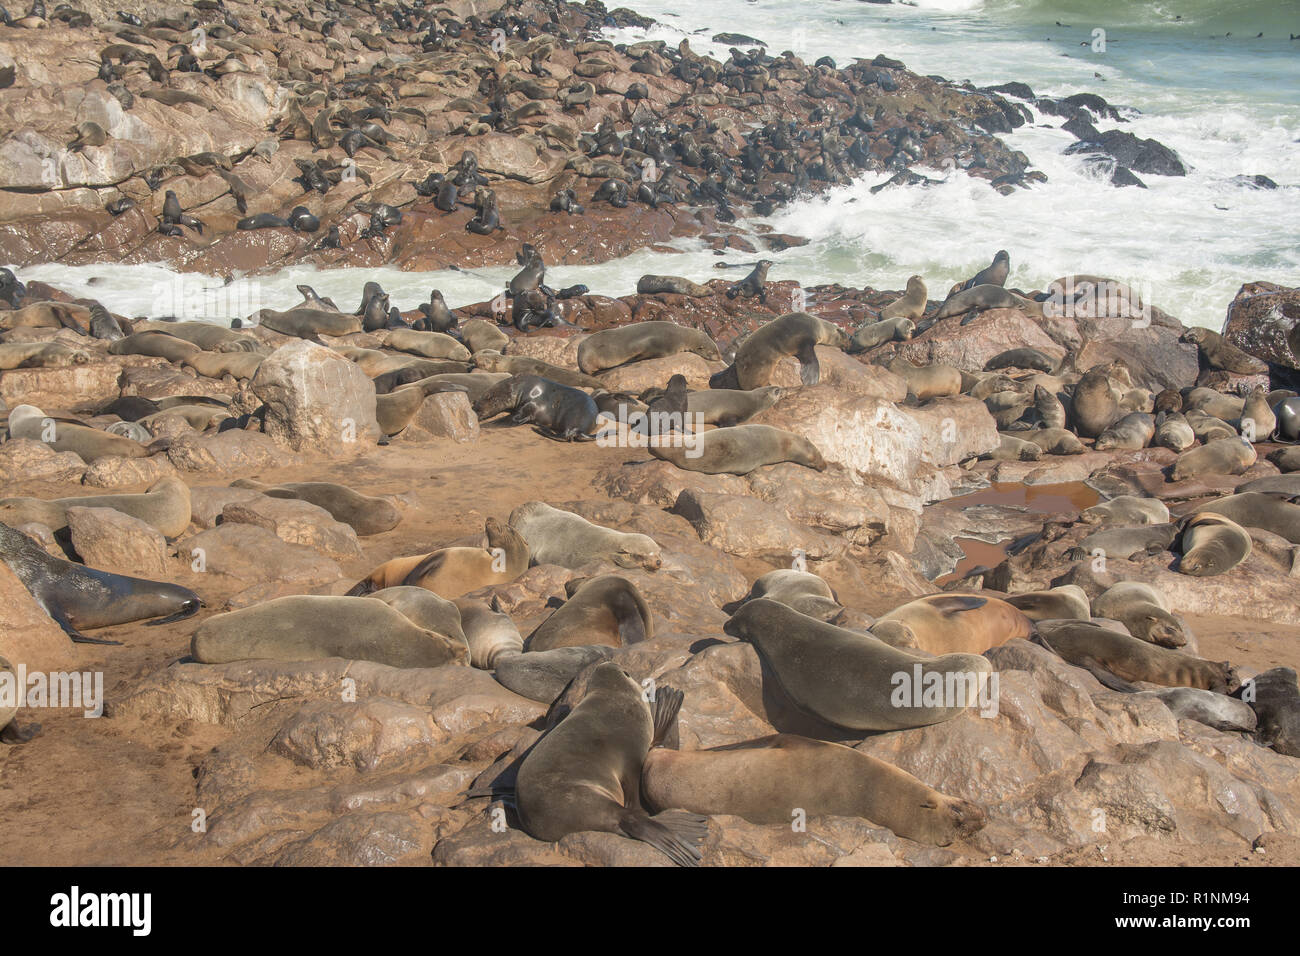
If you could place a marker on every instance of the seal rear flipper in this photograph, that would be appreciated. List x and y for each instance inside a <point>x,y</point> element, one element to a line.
<point>361,588</point>
<point>1107,679</point>
<point>675,833</point>
<point>664,710</point>
<point>79,638</point>
<point>810,370</point>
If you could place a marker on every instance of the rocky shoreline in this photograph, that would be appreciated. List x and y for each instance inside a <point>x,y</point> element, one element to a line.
<point>1086,505</point>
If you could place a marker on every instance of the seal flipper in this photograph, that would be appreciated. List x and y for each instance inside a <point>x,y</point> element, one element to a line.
<point>664,710</point>
<point>1107,679</point>
<point>675,833</point>
<point>76,636</point>
<point>810,370</point>
<point>188,609</point>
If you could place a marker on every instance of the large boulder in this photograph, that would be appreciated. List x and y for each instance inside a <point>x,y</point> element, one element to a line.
<point>317,400</point>
<point>1264,320</point>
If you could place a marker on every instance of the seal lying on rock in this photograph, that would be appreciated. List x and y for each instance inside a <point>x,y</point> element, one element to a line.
<point>452,572</point>
<point>1109,655</point>
<point>571,541</point>
<point>740,449</point>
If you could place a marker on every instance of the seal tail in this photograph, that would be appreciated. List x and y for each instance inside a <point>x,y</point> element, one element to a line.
<point>675,833</point>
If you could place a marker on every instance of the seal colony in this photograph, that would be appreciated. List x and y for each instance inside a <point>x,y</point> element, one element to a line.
<point>733,618</point>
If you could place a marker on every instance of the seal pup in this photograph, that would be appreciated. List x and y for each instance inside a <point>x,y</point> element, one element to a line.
<point>872,334</point>
<point>1117,659</point>
<point>558,411</point>
<point>571,541</point>
<point>643,340</point>
<point>954,622</point>
<point>1212,544</point>
<point>1094,406</point>
<point>1143,610</point>
<point>847,678</point>
<point>77,597</point>
<point>603,610</point>
<point>308,627</point>
<point>762,780</point>
<point>795,334</point>
<point>585,773</point>
<point>453,572</point>
<point>753,285</point>
<point>1127,510</point>
<point>739,449</point>
<point>930,381</point>
<point>995,273</point>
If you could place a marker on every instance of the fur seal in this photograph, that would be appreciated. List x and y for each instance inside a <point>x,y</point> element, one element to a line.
<point>585,773</point>
<point>1133,432</point>
<point>1021,358</point>
<point>79,597</point>
<point>803,591</point>
<point>1257,423</point>
<point>1206,707</point>
<point>205,335</point>
<point>753,285</point>
<point>930,381</point>
<point>603,610</point>
<point>910,305</point>
<point>558,411</point>
<point>1275,698</point>
<point>364,514</point>
<point>543,675</point>
<point>1143,610</point>
<point>1216,352</point>
<point>1173,432</point>
<point>1212,544</point>
<point>434,345</point>
<point>40,355</point>
<point>490,633</point>
<point>28,421</point>
<point>488,217</point>
<point>847,678</point>
<point>1056,441</point>
<point>729,406</point>
<point>1126,542</point>
<point>981,298</point>
<point>1127,510</point>
<point>492,361</point>
<point>453,572</point>
<point>437,317</point>
<point>156,344</point>
<point>308,323</point>
<point>1068,601</point>
<point>796,334</point>
<point>872,334</point>
<point>308,627</point>
<point>1109,654</point>
<point>571,541</point>
<point>1223,456</point>
<point>1253,509</point>
<point>740,449</point>
<point>1094,407</point>
<point>675,285</point>
<point>424,609</point>
<point>960,623</point>
<point>764,780</point>
<point>478,335</point>
<point>165,507</point>
<point>1049,408</point>
<point>1011,448</point>
<point>640,341</point>
<point>239,365</point>
<point>394,410</point>
<point>995,273</point>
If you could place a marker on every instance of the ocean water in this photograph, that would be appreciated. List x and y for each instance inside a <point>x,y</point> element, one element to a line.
<point>1201,80</point>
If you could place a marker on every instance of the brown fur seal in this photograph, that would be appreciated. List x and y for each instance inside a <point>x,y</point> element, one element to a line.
<point>491,361</point>
<point>1275,698</point>
<point>395,410</point>
<point>365,515</point>
<point>675,285</point>
<point>206,335</point>
<point>911,305</point>
<point>156,344</point>
<point>571,541</point>
<point>740,449</point>
<point>40,355</point>
<point>602,610</point>
<point>1213,544</point>
<point>585,774</point>
<point>1056,441</point>
<point>1133,432</point>
<point>48,315</point>
<point>1066,601</point>
<point>1224,456</point>
<point>802,591</point>
<point>960,623</point>
<point>91,444</point>
<point>851,680</point>
<point>640,341</point>
<point>981,298</point>
<point>730,406</point>
<point>435,345</point>
<point>930,381</point>
<point>1216,352</point>
<point>873,334</point>
<point>1173,432</point>
<point>451,572</point>
<point>424,609</point>
<point>1143,610</point>
<point>241,365</point>
<point>1011,448</point>
<point>309,323</point>
<point>490,633</point>
<point>308,627</point>
<point>478,335</point>
<point>1095,404</point>
<point>765,780</point>
<point>797,334</point>
<point>1127,510</point>
<point>1109,654</point>
<point>79,597</point>
<point>165,507</point>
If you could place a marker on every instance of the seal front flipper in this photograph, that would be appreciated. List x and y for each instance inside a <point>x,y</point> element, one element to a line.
<point>1107,679</point>
<point>810,370</point>
<point>675,833</point>
<point>188,609</point>
<point>663,711</point>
